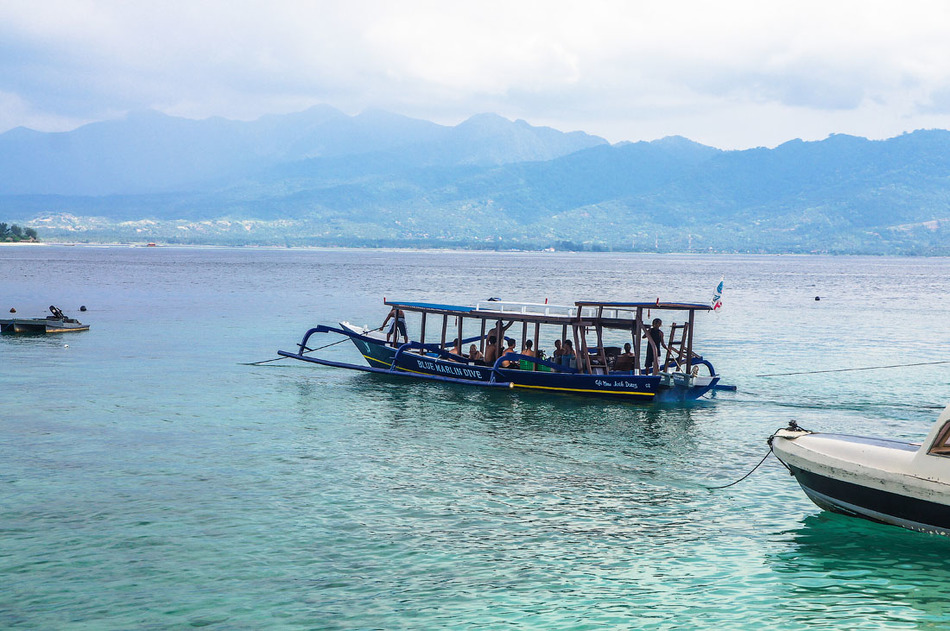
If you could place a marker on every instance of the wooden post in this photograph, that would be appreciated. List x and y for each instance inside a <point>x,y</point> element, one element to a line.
<point>481,342</point>
<point>637,334</point>
<point>537,343</point>
<point>499,336</point>
<point>459,318</point>
<point>577,349</point>
<point>445,324</point>
<point>689,343</point>
<point>600,338</point>
<point>422,335</point>
<point>584,350</point>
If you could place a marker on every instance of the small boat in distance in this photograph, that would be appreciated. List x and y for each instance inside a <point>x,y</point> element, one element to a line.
<point>888,481</point>
<point>588,334</point>
<point>55,323</point>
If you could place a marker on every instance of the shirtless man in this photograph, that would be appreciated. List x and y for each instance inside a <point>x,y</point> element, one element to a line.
<point>398,316</point>
<point>491,350</point>
<point>509,351</point>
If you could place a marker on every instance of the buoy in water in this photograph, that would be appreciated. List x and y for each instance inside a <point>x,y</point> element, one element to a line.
<point>82,308</point>
<point>65,345</point>
<point>817,297</point>
<point>12,310</point>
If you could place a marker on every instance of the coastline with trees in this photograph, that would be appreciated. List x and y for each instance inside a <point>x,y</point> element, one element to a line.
<point>14,233</point>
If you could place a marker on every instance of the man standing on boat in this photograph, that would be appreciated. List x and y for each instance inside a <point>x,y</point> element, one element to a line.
<point>654,335</point>
<point>495,337</point>
<point>398,317</point>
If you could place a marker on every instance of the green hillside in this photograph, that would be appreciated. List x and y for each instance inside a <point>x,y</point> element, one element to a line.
<point>321,178</point>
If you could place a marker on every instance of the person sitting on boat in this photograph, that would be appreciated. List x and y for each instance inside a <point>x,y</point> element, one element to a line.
<point>474,354</point>
<point>654,335</point>
<point>567,354</point>
<point>456,349</point>
<point>624,362</point>
<point>528,349</point>
<point>558,351</point>
<point>510,351</point>
<point>398,316</point>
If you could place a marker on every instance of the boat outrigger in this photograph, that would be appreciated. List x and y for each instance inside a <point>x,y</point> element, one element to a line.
<point>642,373</point>
<point>58,322</point>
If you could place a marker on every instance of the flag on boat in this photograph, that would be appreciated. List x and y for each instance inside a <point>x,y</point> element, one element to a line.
<point>717,295</point>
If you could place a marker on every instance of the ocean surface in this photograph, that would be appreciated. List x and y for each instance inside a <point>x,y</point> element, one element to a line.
<point>151,479</point>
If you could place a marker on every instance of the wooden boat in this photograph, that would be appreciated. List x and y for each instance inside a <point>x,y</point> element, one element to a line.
<point>888,481</point>
<point>55,323</point>
<point>595,369</point>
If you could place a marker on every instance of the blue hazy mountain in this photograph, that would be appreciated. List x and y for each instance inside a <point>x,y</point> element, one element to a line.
<point>149,152</point>
<point>323,177</point>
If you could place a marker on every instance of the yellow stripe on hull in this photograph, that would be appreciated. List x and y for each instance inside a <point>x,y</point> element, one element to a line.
<point>640,394</point>
<point>378,361</point>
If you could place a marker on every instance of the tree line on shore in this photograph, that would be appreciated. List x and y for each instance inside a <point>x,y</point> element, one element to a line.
<point>16,233</point>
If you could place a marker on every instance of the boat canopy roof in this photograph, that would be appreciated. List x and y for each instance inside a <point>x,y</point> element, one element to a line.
<point>610,314</point>
<point>669,306</point>
<point>428,306</point>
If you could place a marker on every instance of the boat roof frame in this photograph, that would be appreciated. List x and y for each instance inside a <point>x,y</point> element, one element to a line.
<point>579,317</point>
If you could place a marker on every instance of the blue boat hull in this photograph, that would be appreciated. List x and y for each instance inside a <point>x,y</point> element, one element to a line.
<point>618,385</point>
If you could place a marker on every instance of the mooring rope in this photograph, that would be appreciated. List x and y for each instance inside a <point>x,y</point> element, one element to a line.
<point>305,350</point>
<point>792,425</point>
<point>725,486</point>
<point>277,359</point>
<point>816,372</point>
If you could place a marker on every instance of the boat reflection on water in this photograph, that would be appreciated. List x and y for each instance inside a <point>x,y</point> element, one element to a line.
<point>428,404</point>
<point>852,573</point>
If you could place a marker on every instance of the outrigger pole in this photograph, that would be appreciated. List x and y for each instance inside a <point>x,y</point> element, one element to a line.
<point>393,369</point>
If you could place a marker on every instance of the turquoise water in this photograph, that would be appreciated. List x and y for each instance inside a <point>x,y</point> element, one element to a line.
<point>150,479</point>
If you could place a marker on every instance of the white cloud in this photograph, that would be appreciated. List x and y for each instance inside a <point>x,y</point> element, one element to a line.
<point>732,73</point>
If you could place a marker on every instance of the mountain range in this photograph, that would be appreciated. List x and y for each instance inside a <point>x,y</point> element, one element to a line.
<point>321,177</point>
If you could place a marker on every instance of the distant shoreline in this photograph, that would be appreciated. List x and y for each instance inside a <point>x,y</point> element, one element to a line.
<point>411,249</point>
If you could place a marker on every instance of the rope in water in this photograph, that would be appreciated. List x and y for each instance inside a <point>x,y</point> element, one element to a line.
<point>815,372</point>
<point>725,486</point>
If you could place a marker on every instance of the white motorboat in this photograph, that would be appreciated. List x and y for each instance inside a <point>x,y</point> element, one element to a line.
<point>889,481</point>
<point>58,322</point>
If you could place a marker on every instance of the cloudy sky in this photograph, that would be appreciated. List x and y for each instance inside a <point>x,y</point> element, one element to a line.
<point>732,74</point>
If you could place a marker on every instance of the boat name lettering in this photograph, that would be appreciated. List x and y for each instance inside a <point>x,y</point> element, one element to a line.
<point>458,371</point>
<point>620,384</point>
